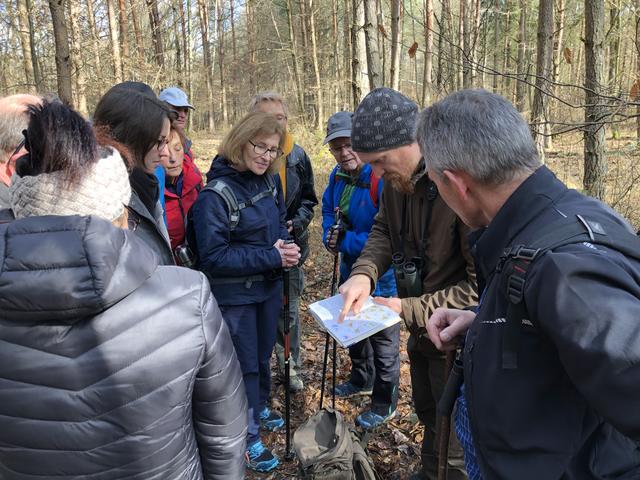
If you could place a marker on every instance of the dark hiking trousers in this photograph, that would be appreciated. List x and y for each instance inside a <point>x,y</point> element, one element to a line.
<point>375,362</point>
<point>253,330</point>
<point>427,384</point>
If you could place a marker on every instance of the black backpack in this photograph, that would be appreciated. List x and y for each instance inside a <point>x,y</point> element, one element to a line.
<point>327,449</point>
<point>233,207</point>
<point>516,260</point>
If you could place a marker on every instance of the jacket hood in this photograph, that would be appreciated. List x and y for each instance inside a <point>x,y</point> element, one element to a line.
<point>220,168</point>
<point>58,269</point>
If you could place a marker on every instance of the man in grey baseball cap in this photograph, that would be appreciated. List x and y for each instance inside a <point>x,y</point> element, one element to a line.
<point>428,243</point>
<point>178,101</point>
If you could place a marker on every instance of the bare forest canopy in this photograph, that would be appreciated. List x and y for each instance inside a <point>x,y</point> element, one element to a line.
<point>570,66</point>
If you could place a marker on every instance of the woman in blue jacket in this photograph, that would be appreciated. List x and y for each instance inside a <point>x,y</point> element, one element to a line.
<point>240,233</point>
<point>352,188</point>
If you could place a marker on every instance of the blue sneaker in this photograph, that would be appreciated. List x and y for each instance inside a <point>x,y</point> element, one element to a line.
<point>270,420</point>
<point>369,419</point>
<point>348,390</point>
<point>260,459</point>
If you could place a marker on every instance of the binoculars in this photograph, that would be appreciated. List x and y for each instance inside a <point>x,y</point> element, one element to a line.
<point>408,275</point>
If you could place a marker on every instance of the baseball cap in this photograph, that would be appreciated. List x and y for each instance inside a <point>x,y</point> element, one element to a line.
<point>338,126</point>
<point>176,97</point>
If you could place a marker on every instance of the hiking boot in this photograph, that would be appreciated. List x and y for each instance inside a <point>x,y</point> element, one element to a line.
<point>348,390</point>
<point>270,420</point>
<point>260,459</point>
<point>370,419</point>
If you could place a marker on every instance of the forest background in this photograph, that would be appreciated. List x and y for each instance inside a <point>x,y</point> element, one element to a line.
<point>571,67</point>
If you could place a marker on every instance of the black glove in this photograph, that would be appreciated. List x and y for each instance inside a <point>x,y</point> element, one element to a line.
<point>334,238</point>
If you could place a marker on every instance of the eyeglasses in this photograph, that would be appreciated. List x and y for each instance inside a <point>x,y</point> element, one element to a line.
<point>261,150</point>
<point>160,144</point>
<point>338,150</point>
<point>19,147</point>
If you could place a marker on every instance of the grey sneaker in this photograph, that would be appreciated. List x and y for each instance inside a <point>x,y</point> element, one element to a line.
<point>295,383</point>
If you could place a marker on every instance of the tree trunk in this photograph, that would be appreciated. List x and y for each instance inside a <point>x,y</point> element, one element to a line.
<point>395,44</point>
<point>316,67</point>
<point>95,40</point>
<point>179,36</point>
<point>203,13</point>
<point>595,112</point>
<point>496,45</point>
<point>25,42</point>
<point>124,42</point>
<point>76,57</point>
<point>506,64</point>
<point>428,53</point>
<point>543,73</point>
<point>381,40</point>
<point>223,84</point>
<point>359,68</point>
<point>637,67</point>
<point>61,37</point>
<point>557,43</point>
<point>136,28</point>
<point>465,34</point>
<point>371,46</point>
<point>335,85</point>
<point>293,48</point>
<point>156,32</point>
<point>347,49</point>
<point>234,47</point>
<point>115,41</point>
<point>521,86</point>
<point>37,75</point>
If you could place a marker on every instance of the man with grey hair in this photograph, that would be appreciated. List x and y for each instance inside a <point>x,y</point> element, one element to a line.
<point>296,176</point>
<point>427,243</point>
<point>551,357</point>
<point>13,120</point>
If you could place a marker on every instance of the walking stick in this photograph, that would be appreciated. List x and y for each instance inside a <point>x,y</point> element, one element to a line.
<point>287,362</point>
<point>445,426</point>
<point>325,361</point>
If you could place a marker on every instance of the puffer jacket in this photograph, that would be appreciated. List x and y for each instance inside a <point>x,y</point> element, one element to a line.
<point>111,366</point>
<point>150,227</point>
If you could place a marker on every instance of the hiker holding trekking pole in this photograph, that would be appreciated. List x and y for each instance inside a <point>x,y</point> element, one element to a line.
<point>349,205</point>
<point>424,241</point>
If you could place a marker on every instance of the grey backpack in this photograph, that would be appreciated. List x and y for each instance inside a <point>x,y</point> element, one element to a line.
<point>328,450</point>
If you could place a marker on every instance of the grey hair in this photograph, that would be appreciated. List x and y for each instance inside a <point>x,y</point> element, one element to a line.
<point>12,123</point>
<point>258,98</point>
<point>477,132</point>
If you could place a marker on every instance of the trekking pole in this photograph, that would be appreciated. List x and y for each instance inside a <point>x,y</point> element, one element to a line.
<point>445,426</point>
<point>325,361</point>
<point>288,455</point>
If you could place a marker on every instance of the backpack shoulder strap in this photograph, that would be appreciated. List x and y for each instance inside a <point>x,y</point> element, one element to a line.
<point>222,189</point>
<point>519,258</point>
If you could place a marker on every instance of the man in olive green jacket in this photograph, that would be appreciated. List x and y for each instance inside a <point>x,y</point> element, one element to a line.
<point>413,223</point>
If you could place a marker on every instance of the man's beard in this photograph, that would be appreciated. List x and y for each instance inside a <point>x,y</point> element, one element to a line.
<point>400,183</point>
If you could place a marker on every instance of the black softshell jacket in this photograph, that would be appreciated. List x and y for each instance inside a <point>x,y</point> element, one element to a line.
<point>571,410</point>
<point>111,367</point>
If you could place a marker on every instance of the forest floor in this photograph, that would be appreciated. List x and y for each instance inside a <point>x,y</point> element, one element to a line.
<point>395,447</point>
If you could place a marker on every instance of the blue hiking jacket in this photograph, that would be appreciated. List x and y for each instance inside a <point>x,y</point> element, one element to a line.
<point>360,220</point>
<point>247,250</point>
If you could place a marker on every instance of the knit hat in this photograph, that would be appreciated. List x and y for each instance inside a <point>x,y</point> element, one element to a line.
<point>103,191</point>
<point>385,119</point>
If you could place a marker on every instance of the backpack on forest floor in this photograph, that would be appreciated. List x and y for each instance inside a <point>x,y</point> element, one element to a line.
<point>327,449</point>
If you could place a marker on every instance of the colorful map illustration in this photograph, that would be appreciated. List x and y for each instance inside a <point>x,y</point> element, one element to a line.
<point>371,319</point>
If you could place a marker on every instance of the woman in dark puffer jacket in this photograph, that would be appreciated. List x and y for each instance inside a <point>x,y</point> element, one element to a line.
<point>111,366</point>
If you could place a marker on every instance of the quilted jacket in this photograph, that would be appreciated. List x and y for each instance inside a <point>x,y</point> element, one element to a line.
<point>111,367</point>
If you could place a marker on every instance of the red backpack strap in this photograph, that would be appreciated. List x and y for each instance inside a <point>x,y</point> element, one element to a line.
<point>373,190</point>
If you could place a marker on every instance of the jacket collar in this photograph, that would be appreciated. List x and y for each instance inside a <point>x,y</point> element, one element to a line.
<point>524,205</point>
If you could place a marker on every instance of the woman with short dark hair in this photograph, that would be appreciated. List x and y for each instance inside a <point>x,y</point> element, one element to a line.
<point>139,124</point>
<point>111,367</point>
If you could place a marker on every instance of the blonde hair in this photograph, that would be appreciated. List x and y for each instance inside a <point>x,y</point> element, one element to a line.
<point>252,124</point>
<point>258,98</point>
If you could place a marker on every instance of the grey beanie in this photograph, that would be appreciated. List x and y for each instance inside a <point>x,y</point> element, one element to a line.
<point>385,119</point>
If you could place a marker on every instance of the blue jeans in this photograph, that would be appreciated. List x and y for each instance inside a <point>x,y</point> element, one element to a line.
<point>253,330</point>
